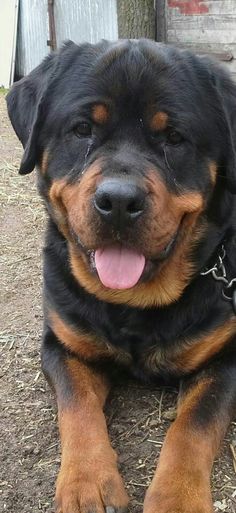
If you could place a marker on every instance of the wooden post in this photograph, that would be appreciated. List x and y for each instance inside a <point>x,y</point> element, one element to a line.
<point>52,42</point>
<point>161,21</point>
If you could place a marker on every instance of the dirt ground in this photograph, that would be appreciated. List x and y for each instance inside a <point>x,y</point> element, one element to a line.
<point>137,416</point>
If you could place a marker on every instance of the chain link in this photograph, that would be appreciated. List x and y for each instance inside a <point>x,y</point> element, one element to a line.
<point>219,273</point>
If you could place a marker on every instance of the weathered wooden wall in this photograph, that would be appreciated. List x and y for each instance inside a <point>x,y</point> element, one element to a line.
<point>205,25</point>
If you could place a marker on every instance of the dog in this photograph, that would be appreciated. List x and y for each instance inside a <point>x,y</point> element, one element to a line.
<point>134,145</point>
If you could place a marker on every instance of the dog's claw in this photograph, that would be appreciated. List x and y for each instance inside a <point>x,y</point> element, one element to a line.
<point>110,509</point>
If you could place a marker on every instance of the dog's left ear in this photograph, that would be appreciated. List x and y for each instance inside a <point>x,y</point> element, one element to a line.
<point>226,90</point>
<point>24,103</point>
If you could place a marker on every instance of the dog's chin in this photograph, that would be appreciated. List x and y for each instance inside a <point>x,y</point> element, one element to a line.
<point>120,267</point>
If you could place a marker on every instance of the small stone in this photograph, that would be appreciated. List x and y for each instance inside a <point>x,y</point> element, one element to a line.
<point>29,449</point>
<point>154,423</point>
<point>221,505</point>
<point>170,414</point>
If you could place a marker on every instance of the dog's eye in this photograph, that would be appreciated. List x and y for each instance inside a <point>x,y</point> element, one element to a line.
<point>174,137</point>
<point>83,129</point>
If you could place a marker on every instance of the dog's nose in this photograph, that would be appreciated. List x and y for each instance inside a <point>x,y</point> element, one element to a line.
<point>119,202</point>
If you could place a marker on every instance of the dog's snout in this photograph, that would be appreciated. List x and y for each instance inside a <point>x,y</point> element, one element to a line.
<point>119,202</point>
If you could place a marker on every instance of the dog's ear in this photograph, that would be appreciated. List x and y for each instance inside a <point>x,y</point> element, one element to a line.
<point>226,90</point>
<point>24,103</point>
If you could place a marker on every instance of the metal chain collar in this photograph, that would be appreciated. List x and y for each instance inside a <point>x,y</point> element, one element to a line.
<point>218,271</point>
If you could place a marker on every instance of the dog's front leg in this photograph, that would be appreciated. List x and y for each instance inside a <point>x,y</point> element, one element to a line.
<point>207,402</point>
<point>88,481</point>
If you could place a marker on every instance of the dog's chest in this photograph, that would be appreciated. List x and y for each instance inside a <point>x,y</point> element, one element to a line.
<point>154,345</point>
<point>144,342</point>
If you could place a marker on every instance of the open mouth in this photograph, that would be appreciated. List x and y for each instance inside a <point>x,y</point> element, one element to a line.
<point>121,268</point>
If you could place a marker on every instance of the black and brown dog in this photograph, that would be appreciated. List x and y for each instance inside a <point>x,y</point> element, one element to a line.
<point>134,143</point>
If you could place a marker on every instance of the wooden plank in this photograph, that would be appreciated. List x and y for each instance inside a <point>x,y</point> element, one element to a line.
<point>204,26</point>
<point>161,21</point>
<point>223,52</point>
<point>217,21</point>
<point>203,36</point>
<point>198,7</point>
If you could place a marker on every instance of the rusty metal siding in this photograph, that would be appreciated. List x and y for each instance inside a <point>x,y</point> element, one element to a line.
<point>207,25</point>
<point>79,20</point>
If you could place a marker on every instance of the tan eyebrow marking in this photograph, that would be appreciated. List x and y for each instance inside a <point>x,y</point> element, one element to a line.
<point>100,114</point>
<point>159,121</point>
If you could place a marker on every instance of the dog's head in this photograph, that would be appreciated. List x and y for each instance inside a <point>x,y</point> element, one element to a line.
<point>135,147</point>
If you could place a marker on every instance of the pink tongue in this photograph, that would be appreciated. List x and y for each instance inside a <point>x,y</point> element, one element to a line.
<point>119,267</point>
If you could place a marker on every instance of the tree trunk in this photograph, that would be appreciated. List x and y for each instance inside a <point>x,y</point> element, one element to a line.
<point>136,18</point>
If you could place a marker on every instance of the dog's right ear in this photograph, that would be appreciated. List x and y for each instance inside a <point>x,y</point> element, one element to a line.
<point>24,103</point>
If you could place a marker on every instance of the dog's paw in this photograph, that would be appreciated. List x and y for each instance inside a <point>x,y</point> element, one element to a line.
<point>174,504</point>
<point>178,495</point>
<point>80,490</point>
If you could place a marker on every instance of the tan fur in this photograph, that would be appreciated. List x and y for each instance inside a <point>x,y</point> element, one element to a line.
<point>165,287</point>
<point>159,122</point>
<point>73,210</point>
<point>86,345</point>
<point>100,114</point>
<point>213,172</point>
<point>182,479</point>
<point>190,354</point>
<point>71,203</point>
<point>88,474</point>
<point>45,162</point>
<point>205,347</point>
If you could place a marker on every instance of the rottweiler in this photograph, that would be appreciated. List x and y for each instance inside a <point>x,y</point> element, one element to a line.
<point>135,148</point>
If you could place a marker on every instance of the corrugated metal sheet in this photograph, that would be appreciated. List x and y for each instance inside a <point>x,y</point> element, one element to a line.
<point>85,20</point>
<point>32,35</point>
<point>79,20</point>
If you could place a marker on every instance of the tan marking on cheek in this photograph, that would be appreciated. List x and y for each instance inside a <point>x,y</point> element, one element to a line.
<point>71,202</point>
<point>76,195</point>
<point>45,162</point>
<point>100,114</point>
<point>188,202</point>
<point>77,200</point>
<point>58,209</point>
<point>213,172</point>
<point>159,121</point>
<point>166,203</point>
<point>55,191</point>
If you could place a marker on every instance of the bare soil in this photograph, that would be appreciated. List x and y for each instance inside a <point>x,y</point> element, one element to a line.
<point>138,417</point>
